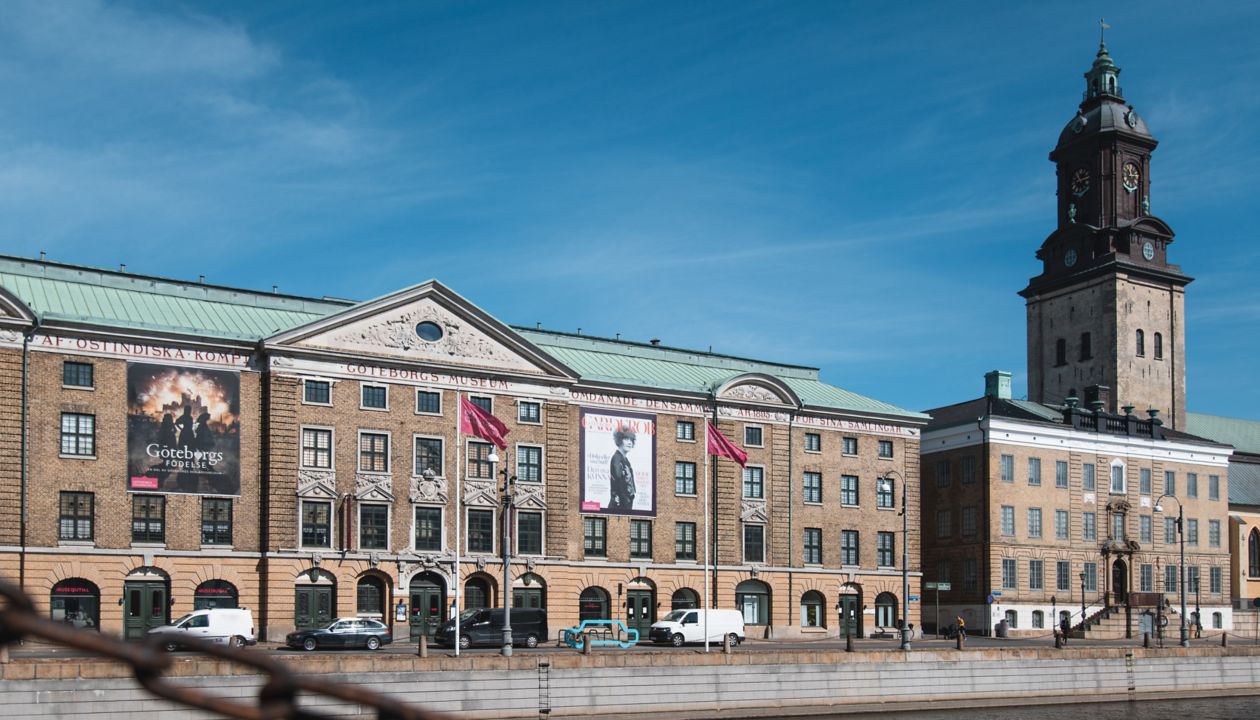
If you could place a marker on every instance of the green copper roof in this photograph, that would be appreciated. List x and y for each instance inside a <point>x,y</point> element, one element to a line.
<point>1244,435</point>
<point>116,299</point>
<point>634,364</point>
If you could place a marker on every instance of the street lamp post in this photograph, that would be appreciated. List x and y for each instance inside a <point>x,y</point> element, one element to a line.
<point>905,558</point>
<point>1082,601</point>
<point>1181,536</point>
<point>509,487</point>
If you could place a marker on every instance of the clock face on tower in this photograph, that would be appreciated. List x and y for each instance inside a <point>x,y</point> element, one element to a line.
<point>1080,182</point>
<point>1148,251</point>
<point>1069,258</point>
<point>1129,176</point>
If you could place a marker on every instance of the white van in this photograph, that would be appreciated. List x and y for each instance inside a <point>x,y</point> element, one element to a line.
<point>687,626</point>
<point>225,626</point>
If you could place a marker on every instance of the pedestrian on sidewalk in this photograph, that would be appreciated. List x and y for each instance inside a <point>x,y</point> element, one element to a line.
<point>1064,627</point>
<point>962,627</point>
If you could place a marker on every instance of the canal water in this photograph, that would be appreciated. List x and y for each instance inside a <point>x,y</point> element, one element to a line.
<point>1226,708</point>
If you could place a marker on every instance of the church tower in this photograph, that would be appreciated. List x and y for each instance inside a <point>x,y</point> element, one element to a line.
<point>1106,316</point>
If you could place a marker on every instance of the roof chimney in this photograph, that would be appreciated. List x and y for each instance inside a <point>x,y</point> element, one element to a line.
<point>655,342</point>
<point>43,256</point>
<point>997,384</point>
<point>122,267</point>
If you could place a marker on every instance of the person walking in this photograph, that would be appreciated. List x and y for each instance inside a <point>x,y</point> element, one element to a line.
<point>962,627</point>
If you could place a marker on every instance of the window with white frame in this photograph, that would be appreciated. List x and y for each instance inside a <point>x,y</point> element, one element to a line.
<point>317,523</point>
<point>595,536</point>
<point>529,412</point>
<point>886,449</point>
<point>1146,578</point>
<point>1060,473</point>
<point>1170,482</point>
<point>373,451</point>
<point>685,431</point>
<point>77,374</point>
<point>848,490</point>
<point>849,547</point>
<point>1034,522</point>
<point>428,528</point>
<point>428,456</point>
<point>1192,531</point>
<point>813,442</point>
<point>885,549</point>
<point>78,434</point>
<point>1087,476</point>
<point>317,448</point>
<point>529,533</point>
<point>1214,533</point>
<point>1118,527</point>
<point>1192,485</point>
<point>685,541</point>
<point>1010,574</point>
<point>1061,520</point>
<point>754,543</point>
<point>884,493</point>
<point>1144,529</point>
<point>479,465</point>
<point>373,526</point>
<point>1117,479</point>
<point>1007,464</point>
<point>480,530</point>
<point>1170,578</point>
<point>1214,487</point>
<point>529,463</point>
<point>316,392</point>
<point>640,538</point>
<point>1036,575</point>
<point>1063,575</point>
<point>1034,471</point>
<point>850,446</point>
<point>752,436</point>
<point>684,478</point>
<point>812,482</point>
<point>754,482</point>
<point>1091,577</point>
<point>813,546</point>
<point>1089,527</point>
<point>373,397</point>
<point>1008,520</point>
<point>1214,581</point>
<point>484,402</point>
<point>1170,531</point>
<point>1144,481</point>
<point>428,402</point>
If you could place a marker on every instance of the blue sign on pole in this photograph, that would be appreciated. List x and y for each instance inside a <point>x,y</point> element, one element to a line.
<point>914,598</point>
<point>991,599</point>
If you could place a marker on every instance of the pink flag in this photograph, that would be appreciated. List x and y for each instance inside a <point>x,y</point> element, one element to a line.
<point>719,445</point>
<point>475,421</point>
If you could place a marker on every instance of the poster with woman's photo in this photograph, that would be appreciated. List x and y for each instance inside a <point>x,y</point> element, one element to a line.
<point>183,430</point>
<point>618,462</point>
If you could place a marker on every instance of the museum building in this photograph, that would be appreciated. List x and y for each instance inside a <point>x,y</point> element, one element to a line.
<point>172,445</point>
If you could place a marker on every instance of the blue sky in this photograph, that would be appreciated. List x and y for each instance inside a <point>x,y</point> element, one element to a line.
<point>855,186</point>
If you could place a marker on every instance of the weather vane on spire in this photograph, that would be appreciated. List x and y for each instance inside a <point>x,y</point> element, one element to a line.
<point>1102,32</point>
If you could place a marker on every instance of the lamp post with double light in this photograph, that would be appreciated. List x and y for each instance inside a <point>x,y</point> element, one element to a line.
<point>509,496</point>
<point>1181,536</point>
<point>905,555</point>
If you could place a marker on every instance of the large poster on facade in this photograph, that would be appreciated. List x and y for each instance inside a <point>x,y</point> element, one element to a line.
<point>618,462</point>
<point>183,430</point>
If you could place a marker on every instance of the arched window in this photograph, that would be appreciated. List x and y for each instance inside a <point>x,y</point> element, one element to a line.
<point>886,610</point>
<point>752,597</point>
<point>1141,343</point>
<point>684,599</point>
<point>1217,621</point>
<point>813,610</point>
<point>1012,619</point>
<point>370,594</point>
<point>1253,553</point>
<point>1159,346</point>
<point>1038,619</point>
<point>76,602</point>
<point>476,594</point>
<point>1064,615</point>
<point>593,604</point>
<point>214,594</point>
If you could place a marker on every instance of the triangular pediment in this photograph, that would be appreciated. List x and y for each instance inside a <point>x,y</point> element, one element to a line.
<point>427,323</point>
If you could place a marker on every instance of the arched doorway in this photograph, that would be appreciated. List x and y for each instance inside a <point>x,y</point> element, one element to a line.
<point>76,602</point>
<point>215,594</point>
<point>886,610</point>
<point>428,603</point>
<point>849,608</point>
<point>478,593</point>
<point>314,603</point>
<point>530,592</point>
<point>752,598</point>
<point>593,604</point>
<point>1120,580</point>
<point>641,605</point>
<point>684,599</point>
<point>1253,553</point>
<point>813,610</point>
<point>146,602</point>
<point>371,598</point>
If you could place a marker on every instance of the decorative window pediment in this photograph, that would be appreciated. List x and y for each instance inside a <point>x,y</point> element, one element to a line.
<point>429,490</point>
<point>480,493</point>
<point>531,498</point>
<point>374,488</point>
<point>320,484</point>
<point>753,511</point>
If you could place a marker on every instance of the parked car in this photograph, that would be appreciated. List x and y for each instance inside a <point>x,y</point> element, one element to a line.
<point>225,626</point>
<point>485,627</point>
<point>687,626</point>
<point>343,632</point>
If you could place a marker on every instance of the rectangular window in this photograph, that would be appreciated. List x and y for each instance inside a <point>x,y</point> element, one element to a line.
<point>1170,482</point>
<point>484,402</point>
<point>316,524</point>
<point>968,469</point>
<point>216,521</point>
<point>1214,580</point>
<point>1146,578</point>
<point>1214,487</point>
<point>595,536</point>
<point>1170,578</point>
<point>1091,577</point>
<point>943,529</point>
<point>317,392</point>
<point>77,516</point>
<point>1144,481</point>
<point>971,575</point>
<point>428,528</point>
<point>1036,575</point>
<point>754,482</point>
<point>1087,476</point>
<point>1060,473</point>
<point>884,490</point>
<point>969,521</point>
<point>529,533</point>
<point>1034,522</point>
<point>479,465</point>
<point>848,490</point>
<point>684,478</point>
<point>1214,533</point>
<point>885,550</point>
<point>640,538</point>
<point>752,436</point>
<point>373,452</point>
<point>76,374</point>
<point>529,412</point>
<point>480,531</point>
<point>148,519</point>
<point>78,434</point>
<point>754,543</point>
<point>685,541</point>
<point>1117,527</point>
<point>850,446</point>
<point>1010,577</point>
<point>1192,579</point>
<point>316,448</point>
<point>1170,531</point>
<point>1192,485</point>
<point>1144,529</point>
<point>849,547</point>
<point>373,527</point>
<point>1089,527</point>
<point>885,448</point>
<point>428,402</point>
<point>1117,480</point>
<point>813,487</point>
<point>1063,575</point>
<point>942,474</point>
<point>374,397</point>
<point>813,546</point>
<point>685,431</point>
<point>943,571</point>
<point>1061,531</point>
<point>1008,520</point>
<point>813,442</point>
<point>529,463</point>
<point>1192,531</point>
<point>428,456</point>
<point>1008,468</point>
<point>1034,471</point>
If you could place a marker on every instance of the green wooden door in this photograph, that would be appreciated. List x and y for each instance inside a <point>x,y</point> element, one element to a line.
<point>428,606</point>
<point>850,616</point>
<point>144,608</point>
<point>640,611</point>
<point>313,606</point>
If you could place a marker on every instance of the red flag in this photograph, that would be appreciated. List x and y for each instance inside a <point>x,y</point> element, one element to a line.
<point>475,421</point>
<point>719,445</point>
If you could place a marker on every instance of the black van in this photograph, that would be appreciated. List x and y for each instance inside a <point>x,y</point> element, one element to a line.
<point>485,627</point>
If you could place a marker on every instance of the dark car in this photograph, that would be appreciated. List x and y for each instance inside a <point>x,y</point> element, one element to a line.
<point>485,627</point>
<point>343,632</point>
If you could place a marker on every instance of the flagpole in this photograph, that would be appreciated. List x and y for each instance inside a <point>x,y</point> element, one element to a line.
<point>707,578</point>
<point>459,442</point>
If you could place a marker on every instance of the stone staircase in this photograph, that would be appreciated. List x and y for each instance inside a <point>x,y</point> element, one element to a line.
<point>1106,624</point>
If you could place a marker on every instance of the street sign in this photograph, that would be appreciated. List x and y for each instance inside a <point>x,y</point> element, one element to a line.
<point>914,598</point>
<point>991,599</point>
<point>937,586</point>
<point>996,593</point>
